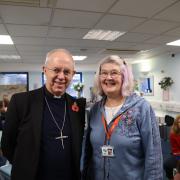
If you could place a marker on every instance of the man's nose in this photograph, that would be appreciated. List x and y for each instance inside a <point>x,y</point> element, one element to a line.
<point>61,74</point>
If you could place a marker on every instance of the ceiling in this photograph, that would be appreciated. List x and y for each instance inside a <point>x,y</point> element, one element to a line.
<point>37,26</point>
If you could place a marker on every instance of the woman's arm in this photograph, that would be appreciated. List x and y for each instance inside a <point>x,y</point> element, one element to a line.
<point>151,145</point>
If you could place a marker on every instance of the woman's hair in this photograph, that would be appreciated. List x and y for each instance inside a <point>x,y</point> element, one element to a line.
<point>175,128</point>
<point>126,72</point>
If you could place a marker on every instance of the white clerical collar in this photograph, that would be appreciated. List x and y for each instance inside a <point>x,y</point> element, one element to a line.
<point>57,97</point>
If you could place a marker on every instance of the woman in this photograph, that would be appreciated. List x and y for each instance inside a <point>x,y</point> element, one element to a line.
<point>171,162</point>
<point>122,141</point>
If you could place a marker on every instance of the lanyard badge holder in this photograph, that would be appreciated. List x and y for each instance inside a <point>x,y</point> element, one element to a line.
<point>108,150</point>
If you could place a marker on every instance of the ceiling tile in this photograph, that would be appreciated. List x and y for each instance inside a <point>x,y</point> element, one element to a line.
<point>71,33</point>
<point>34,59</point>
<point>174,32</point>
<point>85,5</point>
<point>27,30</point>
<point>25,15</point>
<point>75,43</point>
<point>81,50</point>
<point>161,39</point>
<point>11,60</point>
<point>28,40</point>
<point>3,30</point>
<point>116,22</point>
<point>120,45</point>
<point>22,49</point>
<point>155,27</point>
<point>134,37</point>
<point>144,46</point>
<point>140,8</point>
<point>74,18</point>
<point>32,53</point>
<point>172,13</point>
<point>7,48</point>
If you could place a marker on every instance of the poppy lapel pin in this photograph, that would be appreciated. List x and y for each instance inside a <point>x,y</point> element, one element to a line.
<point>75,107</point>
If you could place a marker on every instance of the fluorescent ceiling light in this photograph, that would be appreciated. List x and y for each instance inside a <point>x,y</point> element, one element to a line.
<point>100,34</point>
<point>174,43</point>
<point>79,58</point>
<point>5,39</point>
<point>9,57</point>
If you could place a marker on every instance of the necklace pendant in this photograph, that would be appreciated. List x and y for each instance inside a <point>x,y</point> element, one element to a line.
<point>61,137</point>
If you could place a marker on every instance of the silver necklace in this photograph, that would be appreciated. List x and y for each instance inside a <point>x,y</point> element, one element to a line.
<point>61,137</point>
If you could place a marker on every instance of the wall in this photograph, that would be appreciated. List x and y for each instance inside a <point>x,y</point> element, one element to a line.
<point>88,79</point>
<point>162,66</point>
<point>35,80</point>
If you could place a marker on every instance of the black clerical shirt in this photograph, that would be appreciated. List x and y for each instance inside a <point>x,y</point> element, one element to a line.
<point>55,162</point>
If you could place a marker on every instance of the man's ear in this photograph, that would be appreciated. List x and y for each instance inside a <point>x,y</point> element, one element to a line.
<point>43,68</point>
<point>74,72</point>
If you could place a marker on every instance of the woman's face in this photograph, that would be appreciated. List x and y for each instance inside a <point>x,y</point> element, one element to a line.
<point>111,79</point>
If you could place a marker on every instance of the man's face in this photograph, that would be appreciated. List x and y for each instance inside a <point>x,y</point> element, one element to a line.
<point>59,71</point>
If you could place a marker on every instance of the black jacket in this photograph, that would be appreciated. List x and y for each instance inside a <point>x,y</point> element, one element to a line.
<point>22,133</point>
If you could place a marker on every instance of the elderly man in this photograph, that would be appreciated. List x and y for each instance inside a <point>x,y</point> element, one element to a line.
<point>44,128</point>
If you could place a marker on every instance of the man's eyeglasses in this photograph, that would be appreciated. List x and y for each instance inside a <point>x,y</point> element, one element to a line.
<point>56,71</point>
<point>113,74</point>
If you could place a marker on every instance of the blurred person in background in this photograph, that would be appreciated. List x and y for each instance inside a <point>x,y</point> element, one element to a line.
<point>171,162</point>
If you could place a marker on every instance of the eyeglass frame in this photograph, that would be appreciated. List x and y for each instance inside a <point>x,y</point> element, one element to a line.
<point>58,70</point>
<point>113,74</point>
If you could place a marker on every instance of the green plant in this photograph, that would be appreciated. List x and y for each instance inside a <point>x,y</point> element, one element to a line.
<point>78,87</point>
<point>166,82</point>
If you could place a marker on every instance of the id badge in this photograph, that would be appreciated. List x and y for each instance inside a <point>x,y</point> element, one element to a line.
<point>107,151</point>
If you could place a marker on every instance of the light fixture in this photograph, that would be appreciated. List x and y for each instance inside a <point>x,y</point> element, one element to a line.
<point>145,67</point>
<point>99,34</point>
<point>174,43</point>
<point>10,57</point>
<point>79,58</point>
<point>5,39</point>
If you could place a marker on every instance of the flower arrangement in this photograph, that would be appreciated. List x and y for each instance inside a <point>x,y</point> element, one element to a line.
<point>166,82</point>
<point>78,87</point>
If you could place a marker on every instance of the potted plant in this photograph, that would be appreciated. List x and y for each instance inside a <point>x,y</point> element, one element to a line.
<point>78,87</point>
<point>166,82</point>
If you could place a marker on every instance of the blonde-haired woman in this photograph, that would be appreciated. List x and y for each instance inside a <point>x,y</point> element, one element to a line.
<point>171,162</point>
<point>122,141</point>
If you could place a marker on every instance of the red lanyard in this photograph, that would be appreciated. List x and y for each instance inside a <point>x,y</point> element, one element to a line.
<point>110,131</point>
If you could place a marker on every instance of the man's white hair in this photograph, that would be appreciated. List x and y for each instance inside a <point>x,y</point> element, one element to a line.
<point>57,50</point>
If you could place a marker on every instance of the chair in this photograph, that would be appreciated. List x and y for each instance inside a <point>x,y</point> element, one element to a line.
<point>169,120</point>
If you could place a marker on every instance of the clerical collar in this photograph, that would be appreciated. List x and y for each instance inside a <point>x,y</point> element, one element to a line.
<point>47,93</point>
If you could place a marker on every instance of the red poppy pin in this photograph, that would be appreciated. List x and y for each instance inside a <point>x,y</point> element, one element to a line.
<point>75,107</point>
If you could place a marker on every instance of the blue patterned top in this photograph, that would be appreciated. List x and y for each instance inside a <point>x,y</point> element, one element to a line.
<point>136,142</point>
